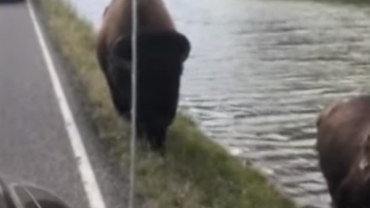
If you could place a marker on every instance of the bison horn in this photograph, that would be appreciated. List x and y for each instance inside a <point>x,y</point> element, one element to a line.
<point>120,54</point>
<point>364,162</point>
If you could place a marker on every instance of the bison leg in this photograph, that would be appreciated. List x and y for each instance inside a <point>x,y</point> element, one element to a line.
<point>332,188</point>
<point>333,182</point>
<point>114,95</point>
<point>141,134</point>
<point>156,139</point>
<point>115,99</point>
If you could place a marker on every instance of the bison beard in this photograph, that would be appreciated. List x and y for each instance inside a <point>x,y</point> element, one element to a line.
<point>160,64</point>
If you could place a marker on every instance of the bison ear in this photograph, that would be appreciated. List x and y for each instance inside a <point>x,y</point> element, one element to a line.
<point>120,53</point>
<point>105,11</point>
<point>121,48</point>
<point>184,45</point>
<point>180,43</point>
<point>176,43</point>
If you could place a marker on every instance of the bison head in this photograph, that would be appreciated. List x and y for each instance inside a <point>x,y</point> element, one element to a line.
<point>161,54</point>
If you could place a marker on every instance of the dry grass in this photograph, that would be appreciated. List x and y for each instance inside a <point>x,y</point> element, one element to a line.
<point>196,174</point>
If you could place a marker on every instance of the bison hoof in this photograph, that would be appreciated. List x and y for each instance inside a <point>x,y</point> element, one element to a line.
<point>158,147</point>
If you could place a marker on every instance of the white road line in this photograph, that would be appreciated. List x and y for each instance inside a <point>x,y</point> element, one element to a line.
<point>87,174</point>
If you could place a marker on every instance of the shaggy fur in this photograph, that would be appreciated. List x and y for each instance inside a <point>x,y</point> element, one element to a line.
<point>161,54</point>
<point>343,131</point>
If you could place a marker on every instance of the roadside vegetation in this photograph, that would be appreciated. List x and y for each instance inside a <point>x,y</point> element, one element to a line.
<point>349,1</point>
<point>345,2</point>
<point>196,173</point>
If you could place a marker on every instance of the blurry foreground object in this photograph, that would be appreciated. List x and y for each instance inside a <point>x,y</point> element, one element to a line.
<point>23,195</point>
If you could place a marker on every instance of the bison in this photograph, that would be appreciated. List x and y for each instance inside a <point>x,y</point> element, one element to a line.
<point>343,146</point>
<point>162,51</point>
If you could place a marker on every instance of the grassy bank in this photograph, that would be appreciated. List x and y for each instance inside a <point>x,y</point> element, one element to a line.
<point>196,173</point>
<point>349,2</point>
<point>344,2</point>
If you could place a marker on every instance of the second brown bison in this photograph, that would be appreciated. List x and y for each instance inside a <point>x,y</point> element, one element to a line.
<point>161,54</point>
<point>343,145</point>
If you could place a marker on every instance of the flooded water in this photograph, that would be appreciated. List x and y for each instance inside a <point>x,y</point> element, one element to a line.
<point>259,73</point>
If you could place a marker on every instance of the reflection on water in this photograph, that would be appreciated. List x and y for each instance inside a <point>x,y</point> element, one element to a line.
<point>259,73</point>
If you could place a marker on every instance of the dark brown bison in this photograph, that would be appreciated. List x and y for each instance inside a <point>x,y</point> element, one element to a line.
<point>161,54</point>
<point>343,145</point>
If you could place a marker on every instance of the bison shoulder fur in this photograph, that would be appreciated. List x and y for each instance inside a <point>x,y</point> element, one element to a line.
<point>343,146</point>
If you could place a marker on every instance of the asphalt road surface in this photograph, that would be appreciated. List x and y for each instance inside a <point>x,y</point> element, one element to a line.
<point>34,142</point>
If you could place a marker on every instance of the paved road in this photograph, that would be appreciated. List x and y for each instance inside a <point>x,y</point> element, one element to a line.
<point>34,144</point>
